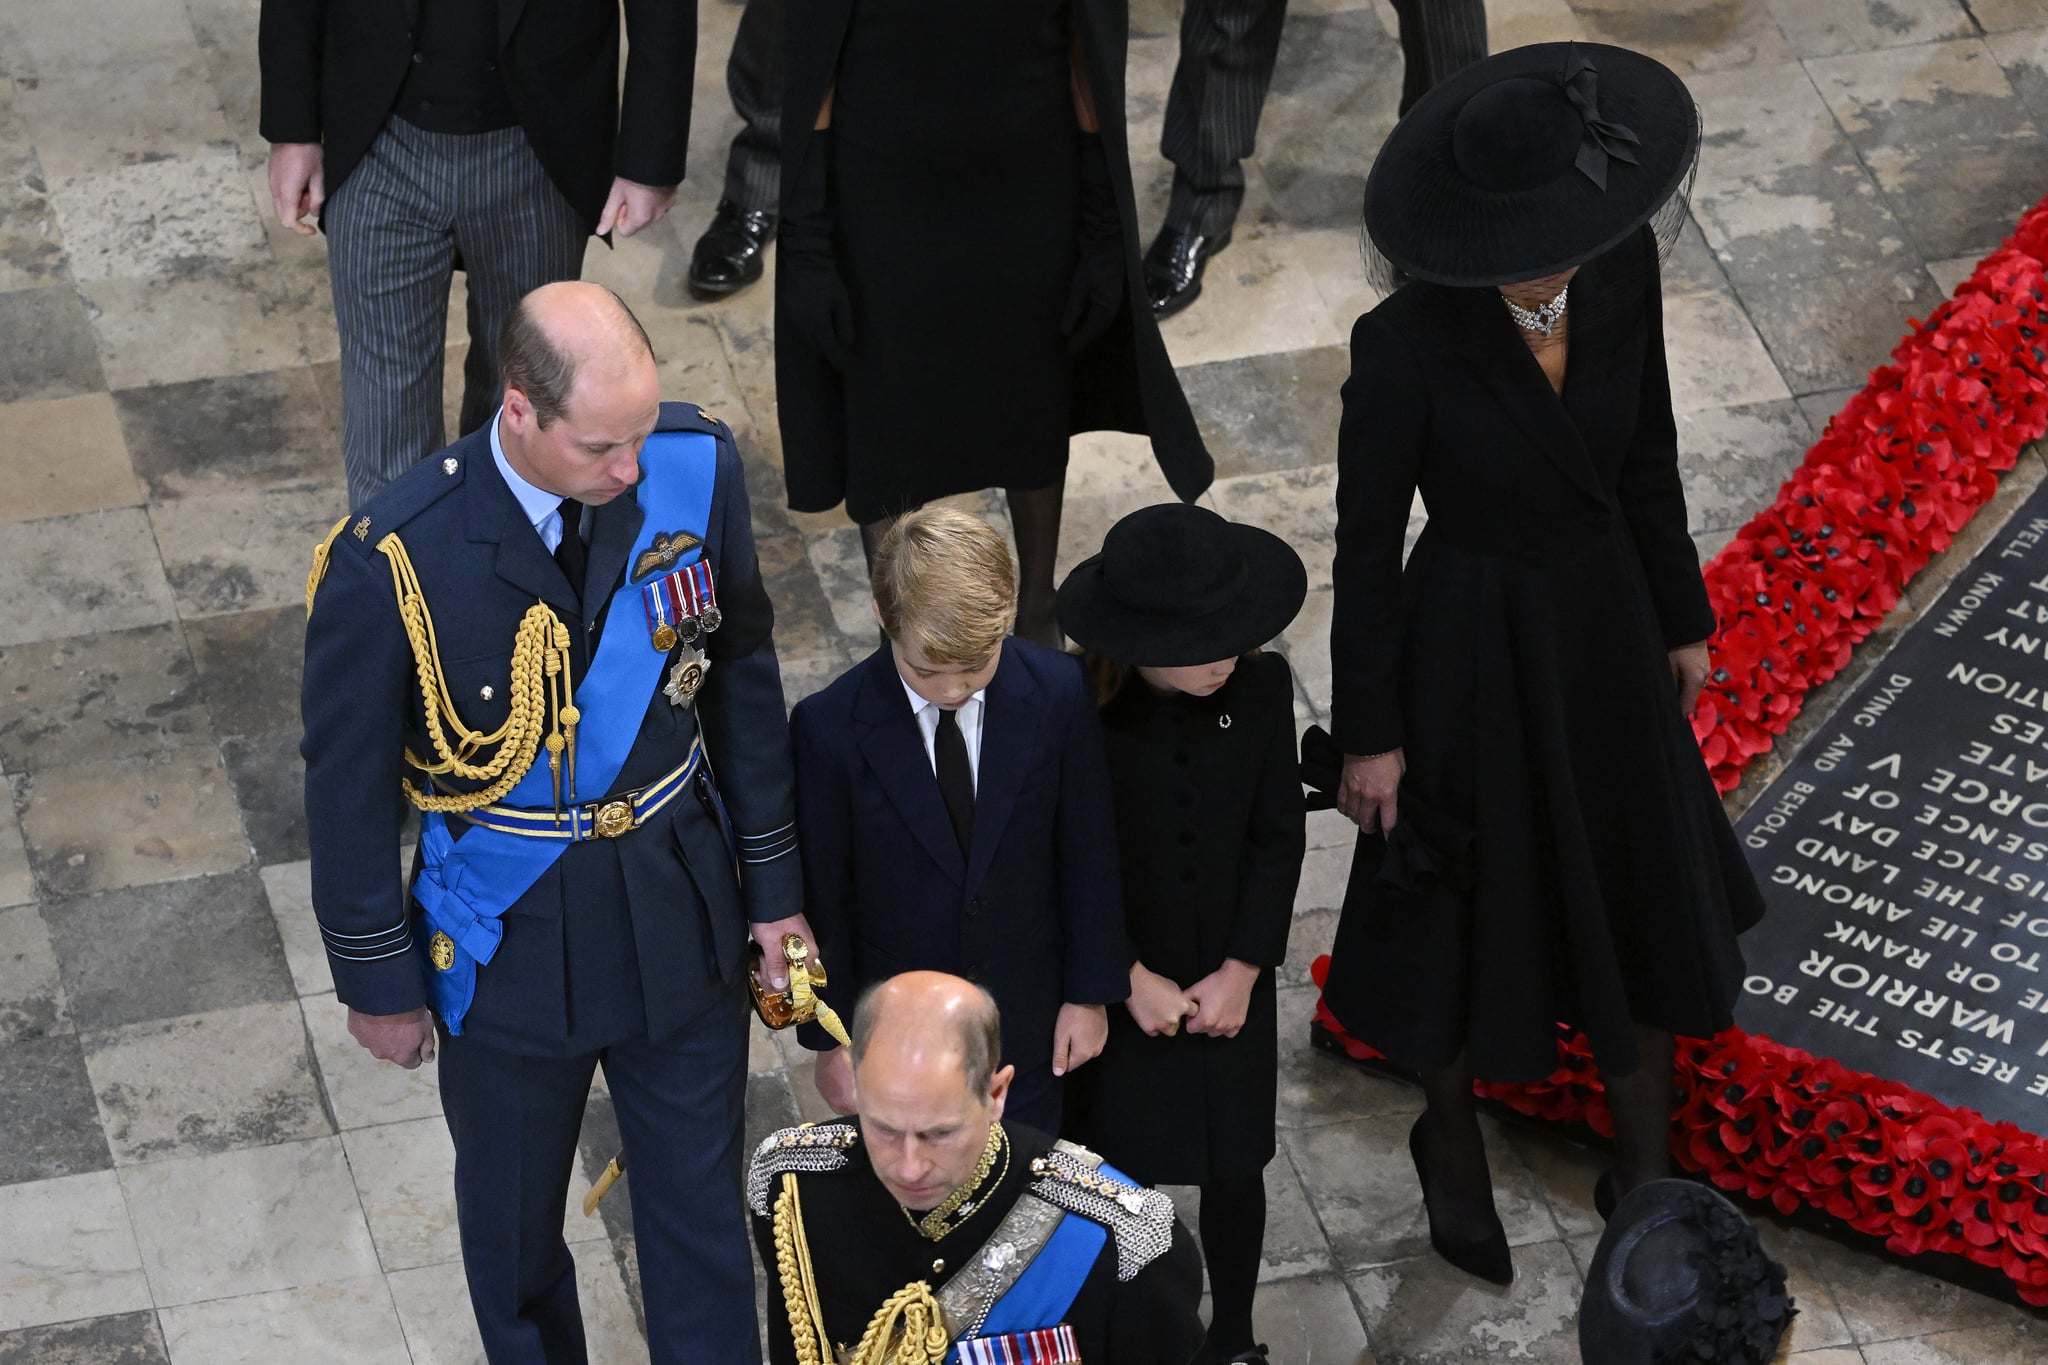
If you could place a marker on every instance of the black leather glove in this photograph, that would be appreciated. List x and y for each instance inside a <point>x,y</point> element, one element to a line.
<point>812,298</point>
<point>1097,293</point>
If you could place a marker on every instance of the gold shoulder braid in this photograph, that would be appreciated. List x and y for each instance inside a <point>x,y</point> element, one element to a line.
<point>319,569</point>
<point>541,687</point>
<point>909,1329</point>
<point>964,1202</point>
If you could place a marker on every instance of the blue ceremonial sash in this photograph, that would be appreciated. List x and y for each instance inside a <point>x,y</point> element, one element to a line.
<point>1046,1290</point>
<point>464,887</point>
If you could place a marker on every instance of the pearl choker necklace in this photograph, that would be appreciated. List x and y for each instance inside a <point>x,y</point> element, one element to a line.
<point>1544,319</point>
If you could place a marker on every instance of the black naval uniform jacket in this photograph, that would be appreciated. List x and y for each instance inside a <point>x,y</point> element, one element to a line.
<point>621,937</point>
<point>863,1249</point>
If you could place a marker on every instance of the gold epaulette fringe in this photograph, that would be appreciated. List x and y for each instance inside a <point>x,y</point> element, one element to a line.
<point>910,1329</point>
<point>541,687</point>
<point>319,569</point>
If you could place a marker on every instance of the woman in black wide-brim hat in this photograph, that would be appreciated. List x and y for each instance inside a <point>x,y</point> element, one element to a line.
<point>1529,672</point>
<point>1210,834</point>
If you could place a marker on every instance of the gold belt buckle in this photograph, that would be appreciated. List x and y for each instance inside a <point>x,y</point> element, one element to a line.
<point>613,818</point>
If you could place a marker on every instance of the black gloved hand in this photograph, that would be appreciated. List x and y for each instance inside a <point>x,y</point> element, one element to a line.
<point>1097,293</point>
<point>811,296</point>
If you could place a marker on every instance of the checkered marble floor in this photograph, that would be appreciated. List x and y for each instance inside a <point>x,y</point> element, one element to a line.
<point>196,1163</point>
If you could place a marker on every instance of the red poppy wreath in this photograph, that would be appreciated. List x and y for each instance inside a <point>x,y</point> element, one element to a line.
<point>1897,473</point>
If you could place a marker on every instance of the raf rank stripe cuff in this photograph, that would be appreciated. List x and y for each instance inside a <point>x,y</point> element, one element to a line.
<point>369,947</point>
<point>766,848</point>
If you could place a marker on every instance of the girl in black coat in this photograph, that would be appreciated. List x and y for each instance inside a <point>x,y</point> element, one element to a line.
<point>1526,676</point>
<point>1207,787</point>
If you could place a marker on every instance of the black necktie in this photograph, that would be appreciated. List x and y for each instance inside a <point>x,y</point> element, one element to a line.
<point>570,551</point>
<point>956,777</point>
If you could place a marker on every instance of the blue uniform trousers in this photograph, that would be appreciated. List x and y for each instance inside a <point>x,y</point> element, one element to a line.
<point>681,1102</point>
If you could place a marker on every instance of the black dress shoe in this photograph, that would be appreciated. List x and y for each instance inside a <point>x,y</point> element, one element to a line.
<point>1603,1196</point>
<point>1173,268</point>
<point>728,255</point>
<point>1485,1256</point>
<point>1255,1356</point>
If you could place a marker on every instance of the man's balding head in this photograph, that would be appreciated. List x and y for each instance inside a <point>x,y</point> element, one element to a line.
<point>581,391</point>
<point>552,333</point>
<point>925,1048</point>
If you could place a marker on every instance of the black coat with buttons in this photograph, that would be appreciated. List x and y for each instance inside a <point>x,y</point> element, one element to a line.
<point>1210,833</point>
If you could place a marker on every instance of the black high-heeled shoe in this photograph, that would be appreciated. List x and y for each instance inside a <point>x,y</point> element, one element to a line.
<point>1486,1256</point>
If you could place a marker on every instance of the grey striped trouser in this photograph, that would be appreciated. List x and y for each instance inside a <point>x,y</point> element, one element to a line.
<point>418,203</point>
<point>1227,52</point>
<point>753,78</point>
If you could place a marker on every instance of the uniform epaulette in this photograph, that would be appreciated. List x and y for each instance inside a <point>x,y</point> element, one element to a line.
<point>680,416</point>
<point>804,1150</point>
<point>1141,1220</point>
<point>404,498</point>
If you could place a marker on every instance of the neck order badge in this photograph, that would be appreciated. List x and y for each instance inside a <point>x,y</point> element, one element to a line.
<point>463,888</point>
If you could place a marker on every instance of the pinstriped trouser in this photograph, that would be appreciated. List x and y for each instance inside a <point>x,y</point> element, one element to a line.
<point>417,204</point>
<point>1227,52</point>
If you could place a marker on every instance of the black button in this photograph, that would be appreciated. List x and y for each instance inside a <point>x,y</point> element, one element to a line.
<point>974,906</point>
<point>1188,877</point>
<point>974,971</point>
<point>1187,800</point>
<point>418,57</point>
<point>1182,757</point>
<point>426,106</point>
<point>490,66</point>
<point>1187,838</point>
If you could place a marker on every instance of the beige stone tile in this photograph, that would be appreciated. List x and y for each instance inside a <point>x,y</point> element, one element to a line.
<point>1949,274</point>
<point>1831,1355</point>
<point>226,319</point>
<point>1333,261</point>
<point>1880,1299</point>
<point>174,214</point>
<point>1294,1241</point>
<point>69,1251</point>
<point>1821,28</point>
<point>289,889</point>
<point>88,698</point>
<point>91,121</point>
<point>74,575</point>
<point>95,826</point>
<point>248,1222</point>
<point>1516,23</point>
<point>32,1003</point>
<point>1687,35</point>
<point>17,884</point>
<point>2002,16</point>
<point>362,1090</point>
<point>1298,505</point>
<point>405,1173</point>
<point>349,1322</point>
<point>203,1083</point>
<point>235,552</point>
<point>835,555</point>
<point>1258,296</point>
<point>1319,1088</point>
<point>433,1306</point>
<point>608,1322</point>
<point>1425,1310</point>
<point>1820,1324</point>
<point>1717,360</point>
<point>1311,1319</point>
<point>31,244</point>
<point>51,37</point>
<point>64,455</point>
<point>2019,1341</point>
<point>1306,643</point>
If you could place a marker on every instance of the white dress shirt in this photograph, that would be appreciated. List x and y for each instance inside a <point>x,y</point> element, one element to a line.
<point>542,508</point>
<point>968,718</point>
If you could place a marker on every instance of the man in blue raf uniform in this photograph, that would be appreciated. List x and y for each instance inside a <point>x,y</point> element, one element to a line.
<point>931,1230</point>
<point>546,638</point>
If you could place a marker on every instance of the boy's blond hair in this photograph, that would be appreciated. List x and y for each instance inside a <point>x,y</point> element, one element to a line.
<point>945,585</point>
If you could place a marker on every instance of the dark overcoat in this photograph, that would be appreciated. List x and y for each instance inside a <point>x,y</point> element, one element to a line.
<point>332,70</point>
<point>1520,661</point>
<point>1032,911</point>
<point>1210,834</point>
<point>1123,381</point>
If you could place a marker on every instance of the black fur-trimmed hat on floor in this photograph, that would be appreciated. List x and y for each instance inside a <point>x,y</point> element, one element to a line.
<point>1680,1278</point>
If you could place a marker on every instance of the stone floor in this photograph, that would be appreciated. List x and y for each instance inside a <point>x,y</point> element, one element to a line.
<point>197,1165</point>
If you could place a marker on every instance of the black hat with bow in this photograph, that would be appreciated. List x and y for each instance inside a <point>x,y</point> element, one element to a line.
<point>1530,162</point>
<point>1679,1276</point>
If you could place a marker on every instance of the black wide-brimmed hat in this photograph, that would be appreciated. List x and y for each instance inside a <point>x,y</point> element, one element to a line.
<point>1679,1275</point>
<point>1530,162</point>
<point>1176,585</point>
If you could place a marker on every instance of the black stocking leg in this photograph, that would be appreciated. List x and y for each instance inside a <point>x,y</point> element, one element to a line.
<point>871,533</point>
<point>1459,1175</point>
<point>1641,1102</point>
<point>1035,518</point>
<point>1233,1222</point>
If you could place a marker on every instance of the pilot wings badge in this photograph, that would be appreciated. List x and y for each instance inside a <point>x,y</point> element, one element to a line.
<point>662,553</point>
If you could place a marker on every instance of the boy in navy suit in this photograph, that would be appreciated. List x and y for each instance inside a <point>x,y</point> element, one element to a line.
<point>953,810</point>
